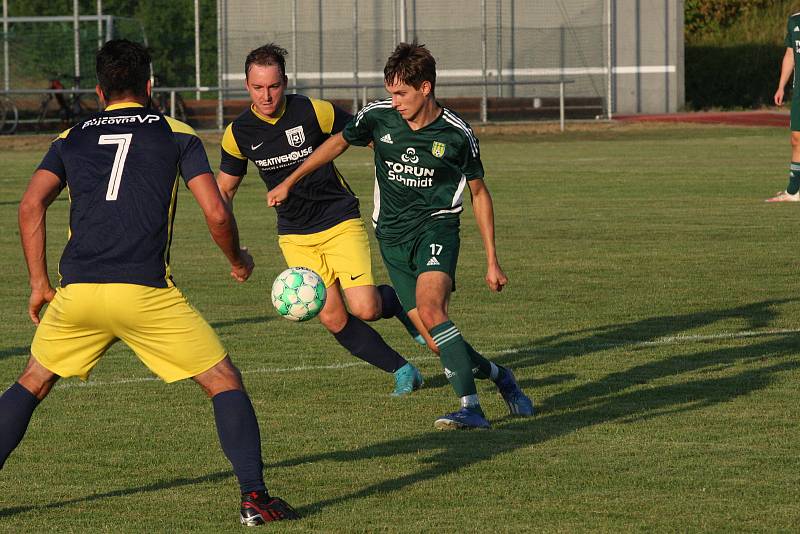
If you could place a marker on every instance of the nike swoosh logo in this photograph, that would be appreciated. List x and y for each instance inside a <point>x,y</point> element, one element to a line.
<point>356,277</point>
<point>253,147</point>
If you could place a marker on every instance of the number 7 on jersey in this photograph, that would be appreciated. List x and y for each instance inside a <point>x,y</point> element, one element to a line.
<point>123,142</point>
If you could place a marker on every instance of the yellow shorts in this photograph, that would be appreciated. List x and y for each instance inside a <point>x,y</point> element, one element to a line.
<point>339,252</point>
<point>162,328</point>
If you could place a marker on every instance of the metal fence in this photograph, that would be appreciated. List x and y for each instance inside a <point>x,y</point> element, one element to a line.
<point>485,49</point>
<point>550,58</point>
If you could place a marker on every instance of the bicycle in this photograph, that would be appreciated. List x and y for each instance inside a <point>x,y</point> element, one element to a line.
<point>70,110</point>
<point>160,101</point>
<point>9,116</point>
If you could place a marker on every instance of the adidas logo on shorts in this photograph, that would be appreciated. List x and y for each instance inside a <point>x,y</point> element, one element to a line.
<point>448,373</point>
<point>433,261</point>
<point>387,139</point>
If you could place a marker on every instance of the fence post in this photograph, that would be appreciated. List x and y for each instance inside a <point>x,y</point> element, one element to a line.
<point>76,38</point>
<point>220,114</point>
<point>355,56</point>
<point>6,80</point>
<point>499,48</point>
<point>196,48</point>
<point>485,97</point>
<point>561,103</point>
<point>294,44</point>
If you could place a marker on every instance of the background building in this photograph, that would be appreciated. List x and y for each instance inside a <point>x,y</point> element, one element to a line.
<point>621,56</point>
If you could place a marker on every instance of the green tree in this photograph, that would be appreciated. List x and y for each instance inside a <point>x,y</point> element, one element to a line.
<point>40,50</point>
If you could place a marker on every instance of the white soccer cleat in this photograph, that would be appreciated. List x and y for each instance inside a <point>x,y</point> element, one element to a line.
<point>783,196</point>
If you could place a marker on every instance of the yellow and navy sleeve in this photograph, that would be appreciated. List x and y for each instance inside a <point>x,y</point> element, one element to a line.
<point>53,161</point>
<point>232,161</point>
<point>332,119</point>
<point>193,160</point>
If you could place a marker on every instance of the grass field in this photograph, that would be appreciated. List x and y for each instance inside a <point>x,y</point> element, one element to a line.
<point>652,313</point>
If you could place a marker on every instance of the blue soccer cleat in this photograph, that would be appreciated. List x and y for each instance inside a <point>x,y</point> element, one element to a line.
<point>406,379</point>
<point>518,403</point>
<point>463,419</point>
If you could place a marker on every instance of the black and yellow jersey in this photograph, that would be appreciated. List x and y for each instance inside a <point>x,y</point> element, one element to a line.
<point>121,169</point>
<point>279,145</point>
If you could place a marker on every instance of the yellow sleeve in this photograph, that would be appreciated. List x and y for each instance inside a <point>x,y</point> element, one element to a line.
<point>229,143</point>
<point>179,127</point>
<point>324,111</point>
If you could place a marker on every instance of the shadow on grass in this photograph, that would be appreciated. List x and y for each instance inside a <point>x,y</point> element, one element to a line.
<point>243,320</point>
<point>16,202</point>
<point>14,351</point>
<point>156,486</point>
<point>620,397</point>
<point>631,395</point>
<point>552,349</point>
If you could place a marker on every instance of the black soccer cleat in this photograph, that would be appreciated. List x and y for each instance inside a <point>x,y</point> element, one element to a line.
<point>259,508</point>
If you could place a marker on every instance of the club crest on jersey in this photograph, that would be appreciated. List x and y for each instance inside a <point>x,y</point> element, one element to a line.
<point>437,149</point>
<point>296,136</point>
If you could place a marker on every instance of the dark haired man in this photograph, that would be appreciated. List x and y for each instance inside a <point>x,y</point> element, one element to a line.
<point>319,225</point>
<point>425,155</point>
<point>121,169</point>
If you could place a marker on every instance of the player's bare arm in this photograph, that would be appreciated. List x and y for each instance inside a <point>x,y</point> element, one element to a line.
<point>787,68</point>
<point>483,209</point>
<point>327,152</point>
<point>228,185</point>
<point>222,225</point>
<point>42,190</point>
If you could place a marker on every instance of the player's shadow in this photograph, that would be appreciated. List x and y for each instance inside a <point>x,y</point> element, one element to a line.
<point>576,343</point>
<point>16,202</point>
<point>620,397</point>
<point>14,351</point>
<point>242,321</point>
<point>638,334</point>
<point>155,486</point>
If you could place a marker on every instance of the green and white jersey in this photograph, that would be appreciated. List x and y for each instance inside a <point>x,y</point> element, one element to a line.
<point>793,41</point>
<point>419,174</point>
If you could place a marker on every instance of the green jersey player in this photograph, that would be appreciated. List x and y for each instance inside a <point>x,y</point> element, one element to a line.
<point>425,157</point>
<point>789,67</point>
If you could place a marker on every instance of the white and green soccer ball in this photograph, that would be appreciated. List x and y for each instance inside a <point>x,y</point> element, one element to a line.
<point>298,294</point>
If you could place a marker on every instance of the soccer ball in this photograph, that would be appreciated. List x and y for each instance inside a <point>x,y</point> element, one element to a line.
<point>298,294</point>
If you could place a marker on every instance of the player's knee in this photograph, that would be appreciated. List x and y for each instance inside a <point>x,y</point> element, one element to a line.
<point>431,315</point>
<point>222,377</point>
<point>333,322</point>
<point>795,139</point>
<point>366,311</point>
<point>37,379</point>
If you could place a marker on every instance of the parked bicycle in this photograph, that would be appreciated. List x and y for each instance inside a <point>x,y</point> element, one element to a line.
<point>161,101</point>
<point>70,107</point>
<point>9,116</point>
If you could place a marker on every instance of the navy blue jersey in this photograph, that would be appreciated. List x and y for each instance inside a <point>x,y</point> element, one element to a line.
<point>121,169</point>
<point>278,146</point>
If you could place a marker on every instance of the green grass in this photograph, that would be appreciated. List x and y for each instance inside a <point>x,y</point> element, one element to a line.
<point>652,314</point>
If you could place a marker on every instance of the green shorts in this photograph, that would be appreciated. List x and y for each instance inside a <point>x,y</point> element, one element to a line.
<point>435,248</point>
<point>794,118</point>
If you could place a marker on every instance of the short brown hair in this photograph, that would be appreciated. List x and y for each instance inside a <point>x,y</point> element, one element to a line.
<point>269,54</point>
<point>412,64</point>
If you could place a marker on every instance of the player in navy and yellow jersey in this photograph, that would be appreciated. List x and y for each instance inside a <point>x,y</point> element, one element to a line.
<point>121,168</point>
<point>789,69</point>
<point>319,225</point>
<point>425,157</point>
